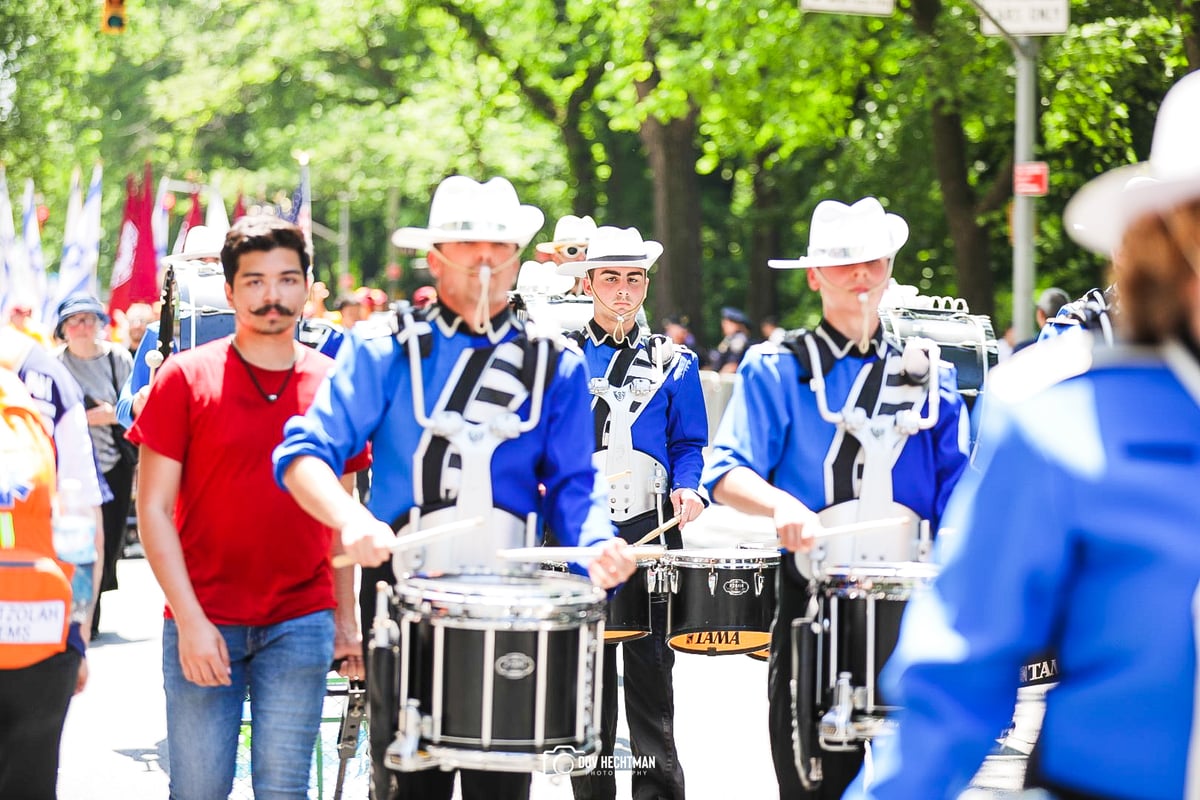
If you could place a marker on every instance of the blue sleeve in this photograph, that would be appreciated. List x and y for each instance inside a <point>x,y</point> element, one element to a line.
<point>576,500</point>
<point>956,667</point>
<point>687,425</point>
<point>138,378</point>
<point>346,410</point>
<point>749,433</point>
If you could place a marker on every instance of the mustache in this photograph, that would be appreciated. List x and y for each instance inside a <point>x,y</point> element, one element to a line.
<point>267,309</point>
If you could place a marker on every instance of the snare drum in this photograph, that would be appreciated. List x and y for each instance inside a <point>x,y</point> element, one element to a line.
<point>498,672</point>
<point>861,607</point>
<point>720,601</point>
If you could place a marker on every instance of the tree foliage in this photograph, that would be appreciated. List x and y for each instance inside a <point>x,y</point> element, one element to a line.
<point>714,126</point>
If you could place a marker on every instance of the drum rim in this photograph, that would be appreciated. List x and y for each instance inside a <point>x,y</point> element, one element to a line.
<point>722,558</point>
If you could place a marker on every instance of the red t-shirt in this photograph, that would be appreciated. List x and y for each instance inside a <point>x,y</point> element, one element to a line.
<point>253,555</point>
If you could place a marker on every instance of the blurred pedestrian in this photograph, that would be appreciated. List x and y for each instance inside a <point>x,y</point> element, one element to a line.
<point>1083,496</point>
<point>101,367</point>
<point>735,341</point>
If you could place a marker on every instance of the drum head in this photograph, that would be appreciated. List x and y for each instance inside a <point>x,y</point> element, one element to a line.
<point>722,558</point>
<point>521,601</point>
<point>883,581</point>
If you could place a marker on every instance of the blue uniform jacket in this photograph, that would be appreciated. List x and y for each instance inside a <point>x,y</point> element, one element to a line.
<point>1077,532</point>
<point>368,397</point>
<point>673,428</point>
<point>773,427</point>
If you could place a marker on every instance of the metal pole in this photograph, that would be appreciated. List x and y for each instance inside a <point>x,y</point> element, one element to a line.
<point>344,234</point>
<point>1025,51</point>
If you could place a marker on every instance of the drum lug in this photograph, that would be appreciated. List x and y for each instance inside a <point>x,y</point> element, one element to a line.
<point>652,579</point>
<point>674,581</point>
<point>712,583</point>
<point>408,734</point>
<point>758,584</point>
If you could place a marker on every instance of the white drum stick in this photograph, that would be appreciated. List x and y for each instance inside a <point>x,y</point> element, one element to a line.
<point>659,531</point>
<point>418,538</point>
<point>154,360</point>
<point>538,554</point>
<point>861,527</point>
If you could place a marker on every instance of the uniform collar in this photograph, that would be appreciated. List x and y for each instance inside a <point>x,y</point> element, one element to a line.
<point>600,336</point>
<point>840,347</point>
<point>450,323</point>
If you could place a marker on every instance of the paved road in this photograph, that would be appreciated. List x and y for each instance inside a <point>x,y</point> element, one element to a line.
<point>114,745</point>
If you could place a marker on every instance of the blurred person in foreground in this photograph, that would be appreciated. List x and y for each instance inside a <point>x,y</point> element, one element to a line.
<point>1082,499</point>
<point>253,602</point>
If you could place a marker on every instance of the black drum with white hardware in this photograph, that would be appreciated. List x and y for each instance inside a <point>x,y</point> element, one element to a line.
<point>497,672</point>
<point>839,654</point>
<point>720,601</point>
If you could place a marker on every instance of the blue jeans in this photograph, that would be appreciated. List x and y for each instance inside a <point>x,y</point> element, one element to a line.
<point>284,667</point>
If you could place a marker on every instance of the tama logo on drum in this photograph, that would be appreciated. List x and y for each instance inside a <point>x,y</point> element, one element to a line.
<point>514,666</point>
<point>736,587</point>
<point>714,638</point>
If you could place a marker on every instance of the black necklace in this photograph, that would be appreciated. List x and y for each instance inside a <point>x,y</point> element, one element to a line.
<point>270,398</point>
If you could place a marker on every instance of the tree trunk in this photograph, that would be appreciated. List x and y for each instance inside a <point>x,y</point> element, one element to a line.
<point>671,152</point>
<point>767,214</point>
<point>975,281</point>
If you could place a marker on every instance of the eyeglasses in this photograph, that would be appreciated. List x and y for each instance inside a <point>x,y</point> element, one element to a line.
<point>76,320</point>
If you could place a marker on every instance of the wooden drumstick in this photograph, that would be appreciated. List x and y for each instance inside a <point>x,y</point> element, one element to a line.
<point>659,531</point>
<point>154,360</point>
<point>418,538</point>
<point>616,476</point>
<point>539,554</point>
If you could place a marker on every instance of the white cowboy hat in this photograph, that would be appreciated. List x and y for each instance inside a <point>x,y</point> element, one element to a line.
<point>842,234</point>
<point>569,230</point>
<point>464,210</point>
<point>200,242</point>
<point>1100,212</point>
<point>538,277</point>
<point>615,247</point>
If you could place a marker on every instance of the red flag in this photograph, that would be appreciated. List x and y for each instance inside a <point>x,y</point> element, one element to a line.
<point>195,216</point>
<point>239,208</point>
<point>134,276</point>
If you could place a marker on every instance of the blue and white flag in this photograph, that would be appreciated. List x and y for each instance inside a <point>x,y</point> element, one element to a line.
<point>81,242</point>
<point>18,285</point>
<point>35,261</point>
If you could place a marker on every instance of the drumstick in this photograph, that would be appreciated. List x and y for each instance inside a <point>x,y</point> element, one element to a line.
<point>860,527</point>
<point>418,538</point>
<point>154,360</point>
<point>538,554</point>
<point>661,529</point>
<point>617,475</point>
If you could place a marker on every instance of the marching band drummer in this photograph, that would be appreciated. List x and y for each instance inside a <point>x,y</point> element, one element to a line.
<point>776,455</point>
<point>650,428</point>
<point>466,366</point>
<point>1082,508</point>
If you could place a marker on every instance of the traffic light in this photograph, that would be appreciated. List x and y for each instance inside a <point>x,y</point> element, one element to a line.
<point>112,16</point>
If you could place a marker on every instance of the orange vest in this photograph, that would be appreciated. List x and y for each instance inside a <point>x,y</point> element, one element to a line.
<point>35,588</point>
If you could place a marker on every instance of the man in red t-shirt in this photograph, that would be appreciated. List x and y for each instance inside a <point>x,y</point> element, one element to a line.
<point>252,599</point>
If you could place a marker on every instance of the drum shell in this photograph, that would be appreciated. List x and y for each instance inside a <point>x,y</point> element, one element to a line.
<point>720,602</point>
<point>861,609</point>
<point>628,614</point>
<point>966,340</point>
<point>543,637</point>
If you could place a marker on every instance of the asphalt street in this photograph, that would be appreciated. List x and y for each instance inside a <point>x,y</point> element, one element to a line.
<point>114,745</point>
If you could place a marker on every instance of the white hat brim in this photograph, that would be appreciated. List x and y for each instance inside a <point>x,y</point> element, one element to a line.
<point>183,258</point>
<point>1104,208</point>
<point>520,230</point>
<point>898,230</point>
<point>580,269</point>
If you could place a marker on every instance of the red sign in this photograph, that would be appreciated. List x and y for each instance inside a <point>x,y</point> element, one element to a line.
<point>1031,179</point>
